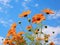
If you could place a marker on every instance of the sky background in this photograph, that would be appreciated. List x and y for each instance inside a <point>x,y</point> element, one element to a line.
<point>10,9</point>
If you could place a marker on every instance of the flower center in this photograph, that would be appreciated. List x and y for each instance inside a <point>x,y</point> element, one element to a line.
<point>25,15</point>
<point>38,19</point>
<point>47,12</point>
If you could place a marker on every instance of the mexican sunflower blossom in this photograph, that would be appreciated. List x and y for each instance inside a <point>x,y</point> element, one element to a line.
<point>36,31</point>
<point>48,11</point>
<point>38,18</point>
<point>52,43</point>
<point>20,33</point>
<point>25,13</point>
<point>7,41</point>
<point>29,28</point>
<point>12,30</point>
<point>18,37</point>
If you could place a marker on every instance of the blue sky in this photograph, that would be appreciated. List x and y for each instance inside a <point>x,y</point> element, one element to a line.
<point>10,9</point>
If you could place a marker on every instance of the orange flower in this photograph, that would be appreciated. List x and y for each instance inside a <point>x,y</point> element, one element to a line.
<point>48,11</point>
<point>22,41</point>
<point>18,39</point>
<point>29,27</point>
<point>12,31</point>
<point>7,41</point>
<point>17,36</point>
<point>38,18</point>
<point>20,33</point>
<point>24,14</point>
<point>36,32</point>
<point>52,43</point>
<point>13,26</point>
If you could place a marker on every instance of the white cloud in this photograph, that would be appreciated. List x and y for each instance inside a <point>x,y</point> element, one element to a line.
<point>5,3</point>
<point>36,5</point>
<point>50,29</point>
<point>27,0</point>
<point>53,37</point>
<point>25,6</point>
<point>2,10</point>
<point>6,23</point>
<point>1,40</point>
<point>54,16</point>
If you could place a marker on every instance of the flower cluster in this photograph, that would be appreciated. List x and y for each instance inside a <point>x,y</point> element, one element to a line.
<point>34,35</point>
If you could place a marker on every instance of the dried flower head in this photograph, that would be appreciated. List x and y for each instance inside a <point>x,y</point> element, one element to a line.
<point>38,38</point>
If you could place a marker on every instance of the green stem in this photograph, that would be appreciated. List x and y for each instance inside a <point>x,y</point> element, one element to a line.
<point>30,21</point>
<point>41,27</point>
<point>44,43</point>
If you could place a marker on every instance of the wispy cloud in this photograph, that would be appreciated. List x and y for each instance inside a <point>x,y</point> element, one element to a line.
<point>24,5</point>
<point>6,3</point>
<point>53,37</point>
<point>36,5</point>
<point>6,23</point>
<point>55,16</point>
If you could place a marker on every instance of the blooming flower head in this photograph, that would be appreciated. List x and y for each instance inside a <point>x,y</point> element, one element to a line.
<point>20,33</point>
<point>25,13</point>
<point>17,38</point>
<point>38,18</point>
<point>7,41</point>
<point>36,31</point>
<point>12,30</point>
<point>13,25</point>
<point>22,41</point>
<point>48,11</point>
<point>29,28</point>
